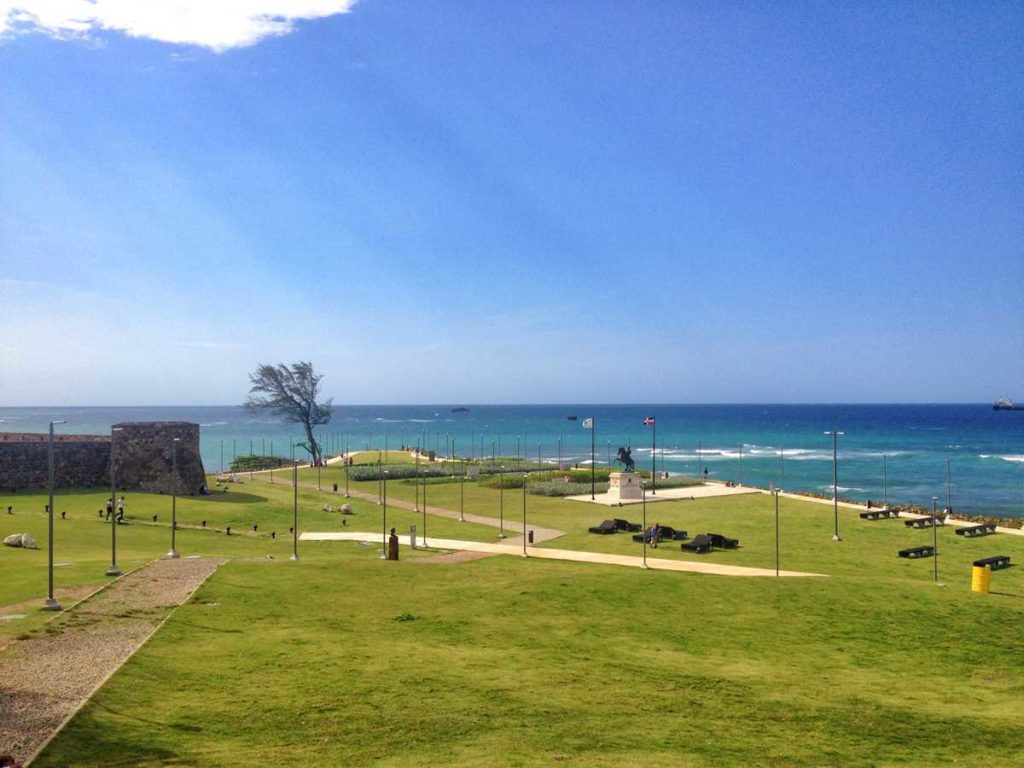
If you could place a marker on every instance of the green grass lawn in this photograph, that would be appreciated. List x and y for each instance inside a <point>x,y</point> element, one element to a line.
<point>82,541</point>
<point>342,659</point>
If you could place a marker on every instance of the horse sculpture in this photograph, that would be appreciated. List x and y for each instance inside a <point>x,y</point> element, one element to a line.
<point>626,460</point>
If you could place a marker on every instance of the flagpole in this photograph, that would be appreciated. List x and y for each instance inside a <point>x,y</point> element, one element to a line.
<point>654,466</point>
<point>593,430</point>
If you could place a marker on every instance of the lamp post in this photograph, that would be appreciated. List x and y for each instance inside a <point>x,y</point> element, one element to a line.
<point>559,452</point>
<point>608,455</point>
<point>741,463</point>
<point>222,457</point>
<point>501,503</point>
<point>173,553</point>
<point>524,514</point>
<point>835,480</point>
<point>424,509</point>
<point>380,477</point>
<point>538,456</point>
<point>384,527</point>
<point>775,493</point>
<point>347,461</point>
<point>782,466</point>
<point>51,603</point>
<point>643,525</point>
<point>885,486</point>
<point>462,494</point>
<point>935,539</point>
<point>949,487</point>
<point>295,509</point>
<point>113,570</point>
<point>416,483</point>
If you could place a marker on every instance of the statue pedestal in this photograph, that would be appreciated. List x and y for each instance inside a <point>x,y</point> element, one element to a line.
<point>624,486</point>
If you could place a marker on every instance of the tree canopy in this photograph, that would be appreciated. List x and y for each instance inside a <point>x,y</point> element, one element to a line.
<point>291,393</point>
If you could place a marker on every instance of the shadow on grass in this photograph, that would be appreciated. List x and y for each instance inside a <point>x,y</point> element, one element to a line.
<point>235,497</point>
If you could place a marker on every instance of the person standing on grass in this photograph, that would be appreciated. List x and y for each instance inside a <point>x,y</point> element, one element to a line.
<point>120,509</point>
<point>110,507</point>
<point>654,536</point>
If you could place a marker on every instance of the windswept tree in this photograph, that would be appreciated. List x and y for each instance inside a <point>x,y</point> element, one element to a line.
<point>291,393</point>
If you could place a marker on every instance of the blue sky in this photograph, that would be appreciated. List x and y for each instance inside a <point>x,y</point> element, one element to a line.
<point>526,202</point>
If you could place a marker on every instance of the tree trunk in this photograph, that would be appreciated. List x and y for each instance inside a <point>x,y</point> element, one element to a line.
<point>314,448</point>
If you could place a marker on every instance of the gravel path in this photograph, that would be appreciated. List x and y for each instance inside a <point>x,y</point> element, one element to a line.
<point>45,679</point>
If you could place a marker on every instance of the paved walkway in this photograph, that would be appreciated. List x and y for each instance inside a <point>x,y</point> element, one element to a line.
<point>571,555</point>
<point>668,494</point>
<point>45,679</point>
<point>539,533</point>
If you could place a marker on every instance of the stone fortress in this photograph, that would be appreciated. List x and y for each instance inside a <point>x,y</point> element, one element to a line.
<point>143,459</point>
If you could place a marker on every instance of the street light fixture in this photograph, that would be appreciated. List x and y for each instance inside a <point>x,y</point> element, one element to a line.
<point>173,553</point>
<point>835,480</point>
<point>775,493</point>
<point>425,472</point>
<point>113,570</point>
<point>501,503</point>
<point>935,538</point>
<point>51,603</point>
<point>524,514</point>
<point>885,485</point>
<point>384,525</point>
<point>643,525</point>
<point>384,529</point>
<point>462,494</point>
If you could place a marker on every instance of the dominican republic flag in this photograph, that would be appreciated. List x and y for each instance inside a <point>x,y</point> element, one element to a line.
<point>649,421</point>
<point>588,423</point>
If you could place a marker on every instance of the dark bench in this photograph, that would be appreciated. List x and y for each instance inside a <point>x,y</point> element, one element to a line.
<point>915,552</point>
<point>625,525</point>
<point>879,514</point>
<point>721,542</point>
<point>608,526</point>
<point>925,522</point>
<point>994,562</point>
<point>976,530</point>
<point>701,544</point>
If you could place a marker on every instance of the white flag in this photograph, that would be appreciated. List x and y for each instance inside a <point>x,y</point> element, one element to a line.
<point>588,423</point>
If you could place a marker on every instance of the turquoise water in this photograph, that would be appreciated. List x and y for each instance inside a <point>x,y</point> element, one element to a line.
<point>754,444</point>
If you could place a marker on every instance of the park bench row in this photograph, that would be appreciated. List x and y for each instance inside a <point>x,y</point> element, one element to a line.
<point>995,562</point>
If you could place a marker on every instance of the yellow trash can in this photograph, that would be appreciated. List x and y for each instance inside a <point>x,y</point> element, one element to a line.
<point>981,579</point>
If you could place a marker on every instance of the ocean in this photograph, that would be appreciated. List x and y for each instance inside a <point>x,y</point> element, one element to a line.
<point>982,449</point>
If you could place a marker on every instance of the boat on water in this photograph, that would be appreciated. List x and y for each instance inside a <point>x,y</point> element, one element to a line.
<point>460,409</point>
<point>1006,404</point>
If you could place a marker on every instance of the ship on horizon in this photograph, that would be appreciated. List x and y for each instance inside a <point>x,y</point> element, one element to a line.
<point>1006,404</point>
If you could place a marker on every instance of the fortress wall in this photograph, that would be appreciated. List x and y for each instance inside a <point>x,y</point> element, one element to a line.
<point>142,453</point>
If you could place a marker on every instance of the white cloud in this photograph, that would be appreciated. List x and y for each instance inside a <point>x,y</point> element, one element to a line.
<point>214,24</point>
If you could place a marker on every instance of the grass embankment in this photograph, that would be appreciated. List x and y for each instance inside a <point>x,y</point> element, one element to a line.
<point>512,662</point>
<point>341,659</point>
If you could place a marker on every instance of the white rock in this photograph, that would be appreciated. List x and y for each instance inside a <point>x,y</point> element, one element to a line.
<point>21,540</point>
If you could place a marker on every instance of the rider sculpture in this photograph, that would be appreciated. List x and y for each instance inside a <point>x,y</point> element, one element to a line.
<point>626,459</point>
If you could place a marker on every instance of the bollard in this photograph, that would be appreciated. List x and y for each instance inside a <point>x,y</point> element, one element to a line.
<point>981,579</point>
<point>412,536</point>
<point>530,538</point>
